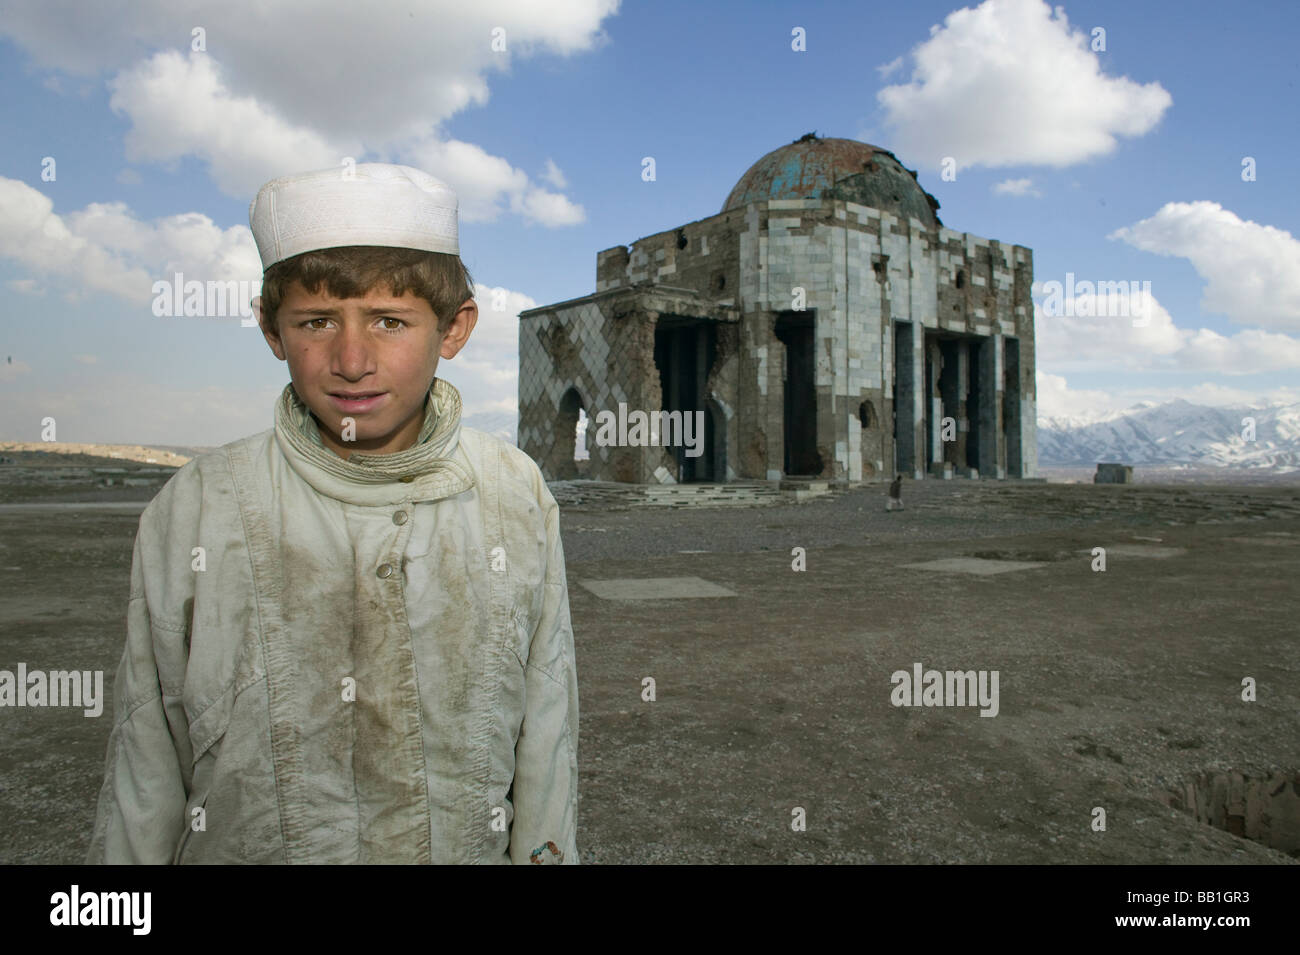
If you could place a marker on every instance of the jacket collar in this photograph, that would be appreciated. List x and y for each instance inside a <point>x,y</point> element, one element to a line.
<point>433,468</point>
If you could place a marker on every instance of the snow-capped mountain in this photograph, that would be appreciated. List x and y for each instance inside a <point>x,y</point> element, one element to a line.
<point>499,424</point>
<point>1176,433</point>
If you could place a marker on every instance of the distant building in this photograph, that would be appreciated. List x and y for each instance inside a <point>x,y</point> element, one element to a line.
<point>823,324</point>
<point>1113,473</point>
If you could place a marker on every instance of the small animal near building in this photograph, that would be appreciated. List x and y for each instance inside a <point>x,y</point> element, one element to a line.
<point>823,324</point>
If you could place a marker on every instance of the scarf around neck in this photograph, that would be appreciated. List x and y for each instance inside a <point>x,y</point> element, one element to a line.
<point>428,470</point>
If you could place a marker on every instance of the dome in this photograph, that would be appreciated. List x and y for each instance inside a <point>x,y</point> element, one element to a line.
<point>813,168</point>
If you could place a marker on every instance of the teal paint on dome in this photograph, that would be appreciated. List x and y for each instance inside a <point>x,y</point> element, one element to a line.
<point>813,168</point>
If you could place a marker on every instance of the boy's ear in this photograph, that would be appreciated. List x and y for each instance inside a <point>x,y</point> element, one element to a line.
<point>272,335</point>
<point>458,331</point>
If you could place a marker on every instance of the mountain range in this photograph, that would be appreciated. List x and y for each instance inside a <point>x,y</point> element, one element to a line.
<point>1175,433</point>
<point>499,424</point>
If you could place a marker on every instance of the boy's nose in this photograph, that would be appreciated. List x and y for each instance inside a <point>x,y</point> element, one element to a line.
<point>353,356</point>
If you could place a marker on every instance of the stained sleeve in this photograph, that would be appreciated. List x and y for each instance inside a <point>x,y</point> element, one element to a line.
<point>544,828</point>
<point>141,810</point>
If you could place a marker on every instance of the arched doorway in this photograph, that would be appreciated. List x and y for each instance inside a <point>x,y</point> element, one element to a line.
<point>872,438</point>
<point>712,465</point>
<point>867,416</point>
<point>685,350</point>
<point>795,331</point>
<point>569,442</point>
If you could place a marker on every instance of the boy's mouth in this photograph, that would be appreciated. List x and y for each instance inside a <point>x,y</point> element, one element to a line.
<point>357,401</point>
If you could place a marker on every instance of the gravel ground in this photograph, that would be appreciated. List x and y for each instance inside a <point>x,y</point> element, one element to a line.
<point>933,510</point>
<point>1118,689</point>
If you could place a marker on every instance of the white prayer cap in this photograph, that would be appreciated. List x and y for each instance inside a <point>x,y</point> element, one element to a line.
<point>368,204</point>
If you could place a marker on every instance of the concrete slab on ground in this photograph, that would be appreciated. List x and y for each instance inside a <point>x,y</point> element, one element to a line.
<point>974,565</point>
<point>655,588</point>
<point>1141,550</point>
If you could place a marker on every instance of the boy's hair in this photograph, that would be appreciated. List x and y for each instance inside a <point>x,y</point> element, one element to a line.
<point>351,271</point>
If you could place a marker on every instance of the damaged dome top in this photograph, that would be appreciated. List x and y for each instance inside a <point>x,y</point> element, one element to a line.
<point>813,168</point>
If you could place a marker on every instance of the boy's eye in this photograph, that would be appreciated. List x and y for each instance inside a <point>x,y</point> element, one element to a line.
<point>396,323</point>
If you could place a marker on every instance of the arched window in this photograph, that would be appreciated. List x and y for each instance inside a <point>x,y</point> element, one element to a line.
<point>580,452</point>
<point>570,433</point>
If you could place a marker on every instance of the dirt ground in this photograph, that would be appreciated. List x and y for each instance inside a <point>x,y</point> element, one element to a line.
<point>1117,688</point>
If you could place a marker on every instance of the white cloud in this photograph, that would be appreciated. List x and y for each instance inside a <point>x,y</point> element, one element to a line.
<point>487,370</point>
<point>484,385</point>
<point>488,185</point>
<point>33,235</point>
<point>553,175</point>
<point>187,240</point>
<point>1216,395</point>
<point>86,359</point>
<point>549,208</point>
<point>104,248</point>
<point>1016,187</point>
<point>1056,399</point>
<point>498,329</point>
<point>293,94</point>
<point>1096,338</point>
<point>1252,271</point>
<point>26,286</point>
<point>409,66</point>
<point>887,70</point>
<point>1010,83</point>
<point>180,107</point>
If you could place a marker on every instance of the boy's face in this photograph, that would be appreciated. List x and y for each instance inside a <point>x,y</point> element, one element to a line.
<point>369,359</point>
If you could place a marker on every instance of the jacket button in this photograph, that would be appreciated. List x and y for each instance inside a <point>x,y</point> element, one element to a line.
<point>407,479</point>
<point>400,517</point>
<point>385,570</point>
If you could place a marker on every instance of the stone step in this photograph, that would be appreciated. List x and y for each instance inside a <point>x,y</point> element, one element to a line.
<point>735,493</point>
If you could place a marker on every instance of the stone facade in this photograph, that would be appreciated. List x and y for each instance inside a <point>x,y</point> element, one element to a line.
<point>818,336</point>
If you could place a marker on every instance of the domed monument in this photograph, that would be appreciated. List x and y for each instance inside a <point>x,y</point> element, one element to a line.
<point>824,324</point>
<point>812,168</point>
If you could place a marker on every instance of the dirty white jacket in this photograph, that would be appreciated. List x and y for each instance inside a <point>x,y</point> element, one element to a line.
<point>334,661</point>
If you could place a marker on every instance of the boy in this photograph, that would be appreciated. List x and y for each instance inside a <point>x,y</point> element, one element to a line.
<point>348,636</point>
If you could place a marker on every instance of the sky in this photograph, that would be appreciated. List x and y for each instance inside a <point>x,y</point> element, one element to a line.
<point>1154,143</point>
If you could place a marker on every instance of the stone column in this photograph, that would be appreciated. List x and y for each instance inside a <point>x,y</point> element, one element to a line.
<point>909,398</point>
<point>992,445</point>
<point>934,355</point>
<point>1011,408</point>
